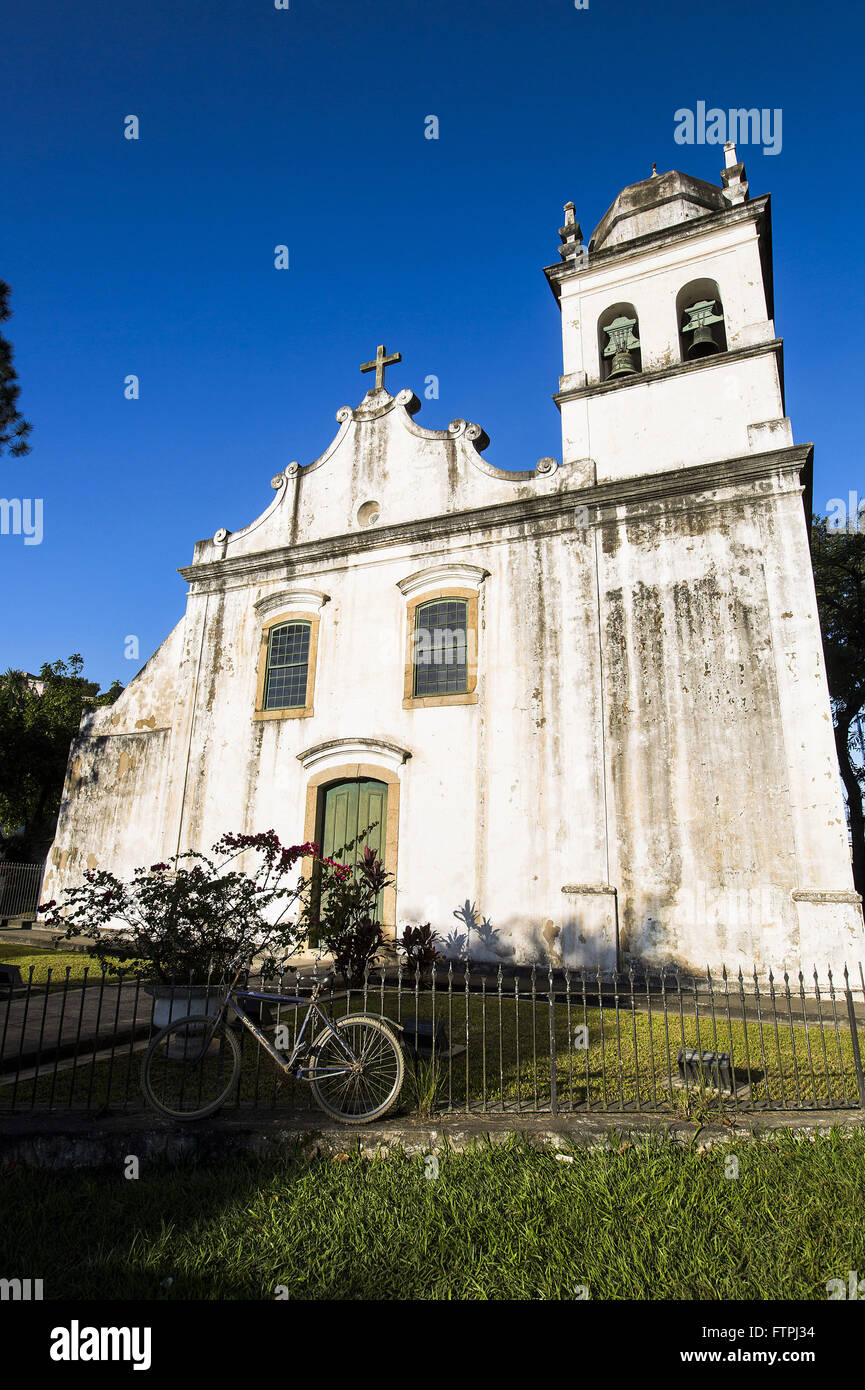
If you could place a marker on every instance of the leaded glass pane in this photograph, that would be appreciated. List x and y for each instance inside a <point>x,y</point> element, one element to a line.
<point>441,647</point>
<point>287,666</point>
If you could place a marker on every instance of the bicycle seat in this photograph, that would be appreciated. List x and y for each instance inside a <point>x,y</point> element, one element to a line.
<point>314,979</point>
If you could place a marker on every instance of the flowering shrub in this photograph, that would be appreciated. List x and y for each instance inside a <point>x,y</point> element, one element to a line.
<point>196,914</point>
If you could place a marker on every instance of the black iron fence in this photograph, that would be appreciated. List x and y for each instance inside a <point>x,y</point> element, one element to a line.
<point>524,1041</point>
<point>20,886</point>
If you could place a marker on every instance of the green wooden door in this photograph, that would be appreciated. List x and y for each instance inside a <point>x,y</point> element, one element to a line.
<point>347,808</point>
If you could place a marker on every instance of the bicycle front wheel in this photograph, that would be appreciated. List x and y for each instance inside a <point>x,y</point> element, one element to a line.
<point>366,1089</point>
<point>184,1074</point>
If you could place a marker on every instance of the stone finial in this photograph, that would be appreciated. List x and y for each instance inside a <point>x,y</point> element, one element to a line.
<point>733,176</point>
<point>655,174</point>
<point>571,237</point>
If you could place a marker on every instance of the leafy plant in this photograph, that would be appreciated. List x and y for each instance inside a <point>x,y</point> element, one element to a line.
<point>700,1104</point>
<point>344,921</point>
<point>421,953</point>
<point>193,915</point>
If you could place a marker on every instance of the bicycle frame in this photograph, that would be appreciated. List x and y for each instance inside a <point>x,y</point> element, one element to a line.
<point>232,995</point>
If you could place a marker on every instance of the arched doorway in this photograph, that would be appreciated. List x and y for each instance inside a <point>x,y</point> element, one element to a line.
<point>380,772</point>
<point>351,816</point>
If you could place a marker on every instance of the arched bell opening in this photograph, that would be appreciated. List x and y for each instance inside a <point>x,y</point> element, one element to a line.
<point>619,342</point>
<point>700,316</point>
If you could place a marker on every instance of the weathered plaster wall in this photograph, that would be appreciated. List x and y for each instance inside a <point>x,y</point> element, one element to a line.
<point>108,777</point>
<point>117,798</point>
<point>499,800</point>
<point>711,727</point>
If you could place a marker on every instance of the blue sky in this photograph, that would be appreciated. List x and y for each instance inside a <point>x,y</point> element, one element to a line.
<point>305,127</point>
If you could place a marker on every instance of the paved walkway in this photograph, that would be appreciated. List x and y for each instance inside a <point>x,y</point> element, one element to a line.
<point>53,1023</point>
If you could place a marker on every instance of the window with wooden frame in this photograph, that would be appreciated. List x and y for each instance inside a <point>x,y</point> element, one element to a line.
<point>286,666</point>
<point>441,659</point>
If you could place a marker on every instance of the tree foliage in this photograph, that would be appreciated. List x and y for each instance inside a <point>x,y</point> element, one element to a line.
<point>839,576</point>
<point>39,718</point>
<point>14,429</point>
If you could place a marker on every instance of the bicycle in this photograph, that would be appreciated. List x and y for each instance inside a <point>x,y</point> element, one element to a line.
<point>355,1064</point>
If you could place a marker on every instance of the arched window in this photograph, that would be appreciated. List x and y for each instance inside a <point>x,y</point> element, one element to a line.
<point>286,666</point>
<point>440,652</point>
<point>700,316</point>
<point>619,342</point>
<point>441,634</point>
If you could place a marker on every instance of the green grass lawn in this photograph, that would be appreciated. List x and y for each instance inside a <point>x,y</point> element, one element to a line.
<point>654,1221</point>
<point>50,966</point>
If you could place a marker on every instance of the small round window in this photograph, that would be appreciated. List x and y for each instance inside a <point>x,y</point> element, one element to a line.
<point>368,514</point>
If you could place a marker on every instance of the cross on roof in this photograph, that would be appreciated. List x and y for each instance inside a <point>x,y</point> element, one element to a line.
<point>378,366</point>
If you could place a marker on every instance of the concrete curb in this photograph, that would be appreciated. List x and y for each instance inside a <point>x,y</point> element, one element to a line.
<point>82,1141</point>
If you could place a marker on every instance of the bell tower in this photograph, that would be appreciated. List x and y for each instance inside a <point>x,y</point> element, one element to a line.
<point>670,357</point>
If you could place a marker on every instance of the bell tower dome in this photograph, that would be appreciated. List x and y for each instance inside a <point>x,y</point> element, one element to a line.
<point>670,357</point>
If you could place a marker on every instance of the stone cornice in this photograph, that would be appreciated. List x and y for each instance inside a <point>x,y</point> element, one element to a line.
<point>717,359</point>
<point>755,210</point>
<point>599,504</point>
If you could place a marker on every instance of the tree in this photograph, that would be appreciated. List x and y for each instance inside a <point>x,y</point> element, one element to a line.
<point>13,428</point>
<point>39,718</point>
<point>839,576</point>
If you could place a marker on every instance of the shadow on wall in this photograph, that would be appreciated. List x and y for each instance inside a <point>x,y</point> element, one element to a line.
<point>568,945</point>
<point>542,943</point>
<point>645,945</point>
<point>480,941</point>
<point>647,949</point>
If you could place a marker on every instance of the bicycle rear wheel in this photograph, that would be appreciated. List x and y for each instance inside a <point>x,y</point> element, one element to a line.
<point>183,1078</point>
<point>370,1088</point>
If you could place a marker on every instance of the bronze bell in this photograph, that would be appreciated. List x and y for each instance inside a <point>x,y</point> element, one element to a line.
<point>700,324</point>
<point>622,343</point>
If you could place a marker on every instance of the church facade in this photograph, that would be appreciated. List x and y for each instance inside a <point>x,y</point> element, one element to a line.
<point>588,698</point>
